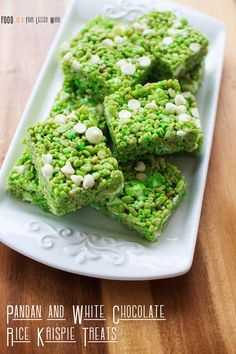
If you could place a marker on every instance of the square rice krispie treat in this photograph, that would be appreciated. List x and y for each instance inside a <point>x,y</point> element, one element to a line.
<point>153,188</point>
<point>152,119</point>
<point>102,59</point>
<point>73,163</point>
<point>177,46</point>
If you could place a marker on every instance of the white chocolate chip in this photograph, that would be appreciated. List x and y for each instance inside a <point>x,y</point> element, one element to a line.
<point>80,128</point>
<point>19,169</point>
<point>119,29</point>
<point>194,47</point>
<point>94,135</point>
<point>198,123</point>
<point>108,42</point>
<point>177,24</point>
<point>128,69</point>
<point>140,166</point>
<point>181,109</point>
<point>71,115</point>
<point>183,117</point>
<point>75,65</point>
<point>76,179</point>
<point>88,181</point>
<point>195,112</point>
<point>68,169</point>
<point>148,31</point>
<point>65,46</point>
<point>180,100</point>
<point>134,105</point>
<point>95,59</point>
<point>167,40</point>
<point>47,158</point>
<point>67,56</point>
<point>183,33</point>
<point>141,177</point>
<point>144,61</point>
<point>60,118</point>
<point>47,170</point>
<point>138,27</point>
<point>64,95</point>
<point>181,133</point>
<point>121,62</point>
<point>151,105</point>
<point>124,114</point>
<point>187,94</point>
<point>172,31</point>
<point>171,107</point>
<point>171,92</point>
<point>119,40</point>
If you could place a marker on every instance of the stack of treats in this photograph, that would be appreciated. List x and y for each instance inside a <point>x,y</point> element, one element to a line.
<point>126,101</point>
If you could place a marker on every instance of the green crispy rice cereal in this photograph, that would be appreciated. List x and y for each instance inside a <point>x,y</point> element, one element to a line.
<point>152,119</point>
<point>192,80</point>
<point>177,47</point>
<point>73,163</point>
<point>70,103</point>
<point>22,181</point>
<point>152,189</point>
<point>70,99</point>
<point>103,59</point>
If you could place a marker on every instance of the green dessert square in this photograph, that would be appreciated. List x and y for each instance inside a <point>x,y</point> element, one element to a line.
<point>71,104</point>
<point>153,188</point>
<point>71,99</point>
<point>73,163</point>
<point>152,119</point>
<point>177,46</point>
<point>101,59</point>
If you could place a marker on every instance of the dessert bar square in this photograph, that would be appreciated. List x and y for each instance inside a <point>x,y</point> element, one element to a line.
<point>153,188</point>
<point>103,59</point>
<point>152,119</point>
<point>73,163</point>
<point>177,47</point>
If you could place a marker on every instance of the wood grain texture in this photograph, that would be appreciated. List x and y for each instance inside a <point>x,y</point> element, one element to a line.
<point>199,306</point>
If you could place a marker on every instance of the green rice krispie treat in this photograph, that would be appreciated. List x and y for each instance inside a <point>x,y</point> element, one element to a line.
<point>73,163</point>
<point>192,80</point>
<point>152,119</point>
<point>177,47</point>
<point>23,181</point>
<point>69,99</point>
<point>69,102</point>
<point>153,188</point>
<point>103,59</point>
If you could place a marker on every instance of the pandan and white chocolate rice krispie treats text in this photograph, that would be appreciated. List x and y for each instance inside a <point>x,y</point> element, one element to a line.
<point>177,46</point>
<point>152,119</point>
<point>103,59</point>
<point>153,188</point>
<point>73,163</point>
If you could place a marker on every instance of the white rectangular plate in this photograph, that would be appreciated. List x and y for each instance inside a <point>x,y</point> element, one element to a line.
<point>87,242</point>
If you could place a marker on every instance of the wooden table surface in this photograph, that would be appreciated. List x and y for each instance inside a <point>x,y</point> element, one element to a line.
<point>199,306</point>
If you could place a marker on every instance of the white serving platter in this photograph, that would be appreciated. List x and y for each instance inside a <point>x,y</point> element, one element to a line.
<point>87,242</point>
